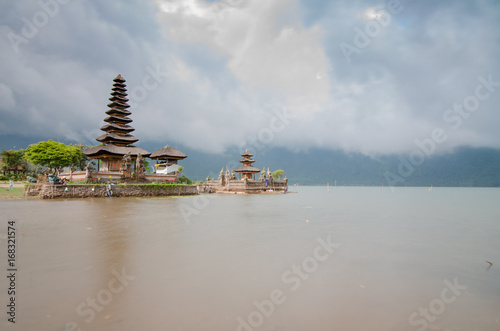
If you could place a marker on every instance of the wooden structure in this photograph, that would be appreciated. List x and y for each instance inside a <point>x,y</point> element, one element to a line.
<point>227,181</point>
<point>167,156</point>
<point>247,170</point>
<point>117,140</point>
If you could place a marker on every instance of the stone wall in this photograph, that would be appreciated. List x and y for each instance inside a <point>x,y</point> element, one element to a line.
<point>114,177</point>
<point>32,190</point>
<point>248,186</point>
<point>50,191</point>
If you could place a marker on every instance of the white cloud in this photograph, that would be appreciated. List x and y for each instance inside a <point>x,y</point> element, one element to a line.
<point>263,55</point>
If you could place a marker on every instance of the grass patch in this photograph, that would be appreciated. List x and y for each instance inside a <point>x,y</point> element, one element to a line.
<point>16,193</point>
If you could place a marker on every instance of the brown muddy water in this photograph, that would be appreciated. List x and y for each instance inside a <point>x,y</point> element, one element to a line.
<point>348,259</point>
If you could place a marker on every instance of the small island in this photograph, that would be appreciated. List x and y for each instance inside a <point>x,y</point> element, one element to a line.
<point>246,183</point>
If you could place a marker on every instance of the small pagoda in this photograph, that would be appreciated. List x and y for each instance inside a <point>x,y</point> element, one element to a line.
<point>167,157</point>
<point>117,140</point>
<point>228,183</point>
<point>247,171</point>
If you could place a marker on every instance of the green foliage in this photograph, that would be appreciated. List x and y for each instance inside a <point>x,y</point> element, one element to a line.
<point>82,159</point>
<point>181,168</point>
<point>278,174</point>
<point>147,167</point>
<point>13,159</point>
<point>184,180</point>
<point>54,155</point>
<point>18,177</point>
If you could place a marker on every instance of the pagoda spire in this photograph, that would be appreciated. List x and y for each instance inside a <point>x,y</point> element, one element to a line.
<point>247,170</point>
<point>116,140</point>
<point>117,130</point>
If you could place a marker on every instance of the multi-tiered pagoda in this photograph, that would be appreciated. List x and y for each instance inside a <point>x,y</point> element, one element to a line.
<point>117,140</point>
<point>247,183</point>
<point>247,170</point>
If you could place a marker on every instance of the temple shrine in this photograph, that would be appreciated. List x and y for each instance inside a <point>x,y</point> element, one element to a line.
<point>118,160</point>
<point>167,159</point>
<point>228,183</point>
<point>247,170</point>
<point>117,140</point>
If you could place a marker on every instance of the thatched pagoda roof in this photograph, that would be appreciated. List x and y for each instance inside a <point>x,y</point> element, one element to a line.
<point>115,150</point>
<point>117,111</point>
<point>167,152</point>
<point>119,78</point>
<point>117,119</point>
<point>246,169</point>
<point>247,161</point>
<point>113,137</point>
<point>247,154</point>
<point>121,128</point>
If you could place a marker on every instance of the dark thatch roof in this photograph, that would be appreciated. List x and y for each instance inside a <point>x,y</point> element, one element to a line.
<point>247,161</point>
<point>115,150</point>
<point>167,152</point>
<point>119,98</point>
<point>121,128</point>
<point>247,154</point>
<point>244,169</point>
<point>119,78</point>
<point>117,119</point>
<point>113,137</point>
<point>118,111</point>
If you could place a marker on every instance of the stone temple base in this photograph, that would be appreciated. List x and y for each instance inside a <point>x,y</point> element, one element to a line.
<point>116,177</point>
<point>245,186</point>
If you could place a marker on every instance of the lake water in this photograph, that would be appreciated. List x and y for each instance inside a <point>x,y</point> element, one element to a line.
<point>349,259</point>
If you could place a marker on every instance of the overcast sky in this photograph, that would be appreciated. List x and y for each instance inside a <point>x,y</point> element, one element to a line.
<point>365,76</point>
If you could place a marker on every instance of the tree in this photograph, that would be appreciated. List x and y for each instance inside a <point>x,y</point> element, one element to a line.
<point>53,154</point>
<point>278,174</point>
<point>82,162</point>
<point>13,160</point>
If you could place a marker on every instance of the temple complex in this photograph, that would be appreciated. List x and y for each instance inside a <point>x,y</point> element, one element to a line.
<point>118,160</point>
<point>228,183</point>
<point>125,163</point>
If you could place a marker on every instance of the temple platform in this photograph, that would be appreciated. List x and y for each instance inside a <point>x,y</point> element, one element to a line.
<point>244,186</point>
<point>114,177</point>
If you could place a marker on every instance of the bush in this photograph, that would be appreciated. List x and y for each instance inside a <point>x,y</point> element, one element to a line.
<point>185,180</point>
<point>17,177</point>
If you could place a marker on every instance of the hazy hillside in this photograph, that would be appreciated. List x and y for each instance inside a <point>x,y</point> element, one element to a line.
<point>464,167</point>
